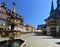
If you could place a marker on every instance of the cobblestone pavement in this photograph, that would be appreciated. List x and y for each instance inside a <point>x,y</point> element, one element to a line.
<point>40,41</point>
<point>37,41</point>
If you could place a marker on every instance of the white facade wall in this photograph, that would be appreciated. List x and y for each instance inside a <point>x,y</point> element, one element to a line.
<point>48,30</point>
<point>57,28</point>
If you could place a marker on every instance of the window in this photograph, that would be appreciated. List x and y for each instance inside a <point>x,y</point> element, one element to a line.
<point>53,29</point>
<point>4,10</point>
<point>59,8</point>
<point>2,22</point>
<point>50,20</point>
<point>0,14</point>
<point>59,29</point>
<point>0,9</point>
<point>5,16</point>
<point>18,21</point>
<point>58,20</point>
<point>15,20</point>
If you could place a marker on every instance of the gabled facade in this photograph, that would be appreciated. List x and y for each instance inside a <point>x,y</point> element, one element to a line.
<point>29,28</point>
<point>53,21</point>
<point>7,16</point>
<point>3,16</point>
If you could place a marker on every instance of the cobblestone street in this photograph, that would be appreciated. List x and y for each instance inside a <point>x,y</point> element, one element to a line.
<point>34,40</point>
<point>40,41</point>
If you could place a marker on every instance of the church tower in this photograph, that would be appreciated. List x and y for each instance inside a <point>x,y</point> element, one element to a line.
<point>53,21</point>
<point>52,7</point>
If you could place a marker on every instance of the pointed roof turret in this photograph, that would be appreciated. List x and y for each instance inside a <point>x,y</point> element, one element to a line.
<point>14,7</point>
<point>52,6</point>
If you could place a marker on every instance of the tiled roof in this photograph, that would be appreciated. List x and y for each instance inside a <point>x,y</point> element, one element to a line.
<point>55,14</point>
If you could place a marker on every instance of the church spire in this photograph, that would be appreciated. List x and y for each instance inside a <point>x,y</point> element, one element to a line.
<point>52,6</point>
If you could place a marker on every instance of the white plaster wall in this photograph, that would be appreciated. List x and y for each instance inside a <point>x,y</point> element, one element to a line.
<point>57,28</point>
<point>48,30</point>
<point>30,29</point>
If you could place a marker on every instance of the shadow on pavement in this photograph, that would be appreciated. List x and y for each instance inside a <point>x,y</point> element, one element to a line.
<point>35,34</point>
<point>47,37</point>
<point>58,43</point>
<point>53,37</point>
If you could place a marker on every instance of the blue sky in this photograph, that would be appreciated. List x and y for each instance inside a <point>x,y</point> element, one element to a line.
<point>33,11</point>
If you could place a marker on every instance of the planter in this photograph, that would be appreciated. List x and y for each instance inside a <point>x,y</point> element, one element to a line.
<point>13,43</point>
